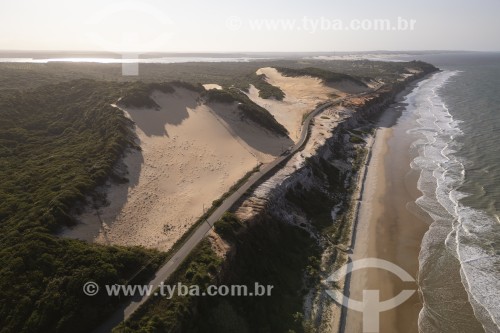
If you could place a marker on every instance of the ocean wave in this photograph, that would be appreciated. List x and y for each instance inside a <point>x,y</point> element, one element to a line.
<point>459,236</point>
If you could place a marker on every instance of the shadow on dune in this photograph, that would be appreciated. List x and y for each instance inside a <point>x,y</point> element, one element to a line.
<point>173,111</point>
<point>97,215</point>
<point>250,132</point>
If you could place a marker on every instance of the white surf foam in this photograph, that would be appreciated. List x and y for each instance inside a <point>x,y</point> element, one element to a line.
<point>441,173</point>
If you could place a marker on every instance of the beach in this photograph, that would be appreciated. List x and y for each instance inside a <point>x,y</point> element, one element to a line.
<point>389,226</point>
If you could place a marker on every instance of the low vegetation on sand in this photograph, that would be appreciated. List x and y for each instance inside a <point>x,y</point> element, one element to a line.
<point>249,109</point>
<point>266,90</point>
<point>325,75</point>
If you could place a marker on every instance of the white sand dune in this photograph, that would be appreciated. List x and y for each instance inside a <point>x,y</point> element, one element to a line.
<point>191,154</point>
<point>210,86</point>
<point>302,94</point>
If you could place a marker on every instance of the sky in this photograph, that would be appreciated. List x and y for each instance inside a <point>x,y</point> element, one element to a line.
<point>249,26</point>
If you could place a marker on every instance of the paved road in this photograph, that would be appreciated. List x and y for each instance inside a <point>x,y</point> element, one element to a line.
<point>126,310</point>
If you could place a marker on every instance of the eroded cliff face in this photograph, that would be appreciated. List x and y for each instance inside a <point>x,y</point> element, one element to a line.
<point>338,135</point>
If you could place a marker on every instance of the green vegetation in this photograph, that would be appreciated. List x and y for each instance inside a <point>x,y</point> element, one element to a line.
<point>326,75</point>
<point>228,226</point>
<point>57,143</point>
<point>266,90</point>
<point>60,138</point>
<point>138,94</point>
<point>160,314</point>
<point>269,252</point>
<point>251,110</point>
<point>226,74</point>
<point>356,139</point>
<point>304,116</point>
<point>425,67</point>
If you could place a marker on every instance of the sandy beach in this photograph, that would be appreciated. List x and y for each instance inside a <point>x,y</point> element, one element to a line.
<point>387,227</point>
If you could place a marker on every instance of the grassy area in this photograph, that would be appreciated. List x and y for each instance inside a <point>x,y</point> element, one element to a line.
<point>304,116</point>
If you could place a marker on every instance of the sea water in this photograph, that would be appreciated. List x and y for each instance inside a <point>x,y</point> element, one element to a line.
<point>456,131</point>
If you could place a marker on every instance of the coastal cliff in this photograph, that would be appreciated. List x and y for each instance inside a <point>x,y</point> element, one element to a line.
<point>291,232</point>
<point>299,223</point>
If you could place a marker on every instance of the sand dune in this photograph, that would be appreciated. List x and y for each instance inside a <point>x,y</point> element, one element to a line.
<point>210,86</point>
<point>191,154</point>
<point>302,94</point>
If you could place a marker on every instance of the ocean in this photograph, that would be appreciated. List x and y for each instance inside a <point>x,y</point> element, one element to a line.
<point>454,118</point>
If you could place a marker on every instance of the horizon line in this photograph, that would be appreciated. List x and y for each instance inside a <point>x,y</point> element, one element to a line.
<point>250,52</point>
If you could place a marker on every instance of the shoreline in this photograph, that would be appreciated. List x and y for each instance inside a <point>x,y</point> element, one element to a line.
<point>378,216</point>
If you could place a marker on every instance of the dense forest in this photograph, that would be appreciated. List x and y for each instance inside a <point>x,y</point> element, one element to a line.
<point>326,75</point>
<point>57,143</point>
<point>237,74</point>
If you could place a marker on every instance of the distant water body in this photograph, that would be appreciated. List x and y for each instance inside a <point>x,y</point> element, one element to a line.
<point>164,60</point>
<point>456,126</point>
